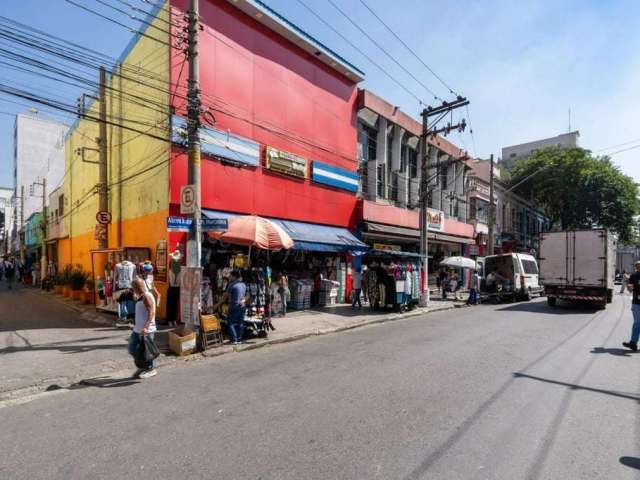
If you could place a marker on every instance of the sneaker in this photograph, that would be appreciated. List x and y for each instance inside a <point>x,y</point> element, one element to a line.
<point>149,373</point>
<point>633,346</point>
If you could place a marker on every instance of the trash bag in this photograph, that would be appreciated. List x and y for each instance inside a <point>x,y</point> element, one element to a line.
<point>146,352</point>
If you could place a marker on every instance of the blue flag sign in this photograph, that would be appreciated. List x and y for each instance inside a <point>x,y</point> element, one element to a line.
<point>183,224</point>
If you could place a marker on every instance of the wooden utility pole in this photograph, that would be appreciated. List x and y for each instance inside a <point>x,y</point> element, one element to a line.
<point>103,195</point>
<point>193,136</point>
<point>492,210</point>
<point>428,131</point>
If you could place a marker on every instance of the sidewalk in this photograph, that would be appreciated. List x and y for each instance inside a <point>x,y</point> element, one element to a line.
<point>66,343</point>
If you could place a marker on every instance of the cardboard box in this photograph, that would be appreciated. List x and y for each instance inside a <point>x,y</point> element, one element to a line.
<point>182,342</point>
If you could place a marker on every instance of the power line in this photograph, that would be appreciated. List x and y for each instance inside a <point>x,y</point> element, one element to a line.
<point>618,145</point>
<point>383,50</point>
<point>355,47</point>
<point>409,49</point>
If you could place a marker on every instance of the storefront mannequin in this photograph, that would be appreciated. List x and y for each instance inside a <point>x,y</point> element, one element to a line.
<point>173,293</point>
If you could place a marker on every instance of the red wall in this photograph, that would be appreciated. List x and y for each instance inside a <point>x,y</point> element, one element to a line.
<point>263,88</point>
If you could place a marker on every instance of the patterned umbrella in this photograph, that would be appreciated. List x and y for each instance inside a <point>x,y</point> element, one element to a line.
<point>254,231</point>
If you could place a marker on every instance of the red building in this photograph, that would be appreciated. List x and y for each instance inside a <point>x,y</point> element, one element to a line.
<point>283,144</point>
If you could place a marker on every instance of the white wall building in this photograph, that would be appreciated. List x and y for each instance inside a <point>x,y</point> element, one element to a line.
<point>5,213</point>
<point>524,150</point>
<point>38,154</point>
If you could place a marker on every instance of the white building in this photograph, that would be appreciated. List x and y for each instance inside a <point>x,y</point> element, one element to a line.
<point>6,195</point>
<point>38,154</point>
<point>524,150</point>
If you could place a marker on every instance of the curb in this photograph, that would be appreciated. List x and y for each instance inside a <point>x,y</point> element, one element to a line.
<point>13,397</point>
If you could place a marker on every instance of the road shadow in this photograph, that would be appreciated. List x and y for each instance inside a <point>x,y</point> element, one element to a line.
<point>541,307</point>
<point>62,348</point>
<point>106,382</point>
<point>631,462</point>
<point>618,352</point>
<point>573,386</point>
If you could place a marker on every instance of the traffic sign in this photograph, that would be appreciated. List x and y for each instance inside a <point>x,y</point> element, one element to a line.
<point>103,218</point>
<point>187,199</point>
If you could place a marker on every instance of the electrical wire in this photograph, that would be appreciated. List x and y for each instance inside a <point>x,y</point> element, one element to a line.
<point>361,52</point>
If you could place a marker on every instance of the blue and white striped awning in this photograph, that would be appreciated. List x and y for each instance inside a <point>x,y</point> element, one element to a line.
<point>334,176</point>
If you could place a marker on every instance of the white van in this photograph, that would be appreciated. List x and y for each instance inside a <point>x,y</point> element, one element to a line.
<point>517,275</point>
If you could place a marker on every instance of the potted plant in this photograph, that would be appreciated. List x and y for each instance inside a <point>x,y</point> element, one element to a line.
<point>65,278</point>
<point>57,283</point>
<point>77,280</point>
<point>89,291</point>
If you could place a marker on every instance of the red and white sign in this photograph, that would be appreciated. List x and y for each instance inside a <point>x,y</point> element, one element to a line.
<point>103,218</point>
<point>187,199</point>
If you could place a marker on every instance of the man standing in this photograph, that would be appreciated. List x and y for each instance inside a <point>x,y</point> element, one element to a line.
<point>633,285</point>
<point>357,289</point>
<point>235,295</point>
<point>473,288</point>
<point>145,324</point>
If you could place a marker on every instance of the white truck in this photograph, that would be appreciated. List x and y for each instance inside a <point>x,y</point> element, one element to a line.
<point>578,265</point>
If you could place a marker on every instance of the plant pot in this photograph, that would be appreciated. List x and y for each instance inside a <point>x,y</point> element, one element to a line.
<point>66,290</point>
<point>89,297</point>
<point>77,295</point>
<point>57,289</point>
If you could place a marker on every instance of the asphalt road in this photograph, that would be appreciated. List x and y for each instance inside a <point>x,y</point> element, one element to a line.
<point>506,392</point>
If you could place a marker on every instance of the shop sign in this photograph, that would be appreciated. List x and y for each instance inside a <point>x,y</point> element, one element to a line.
<point>190,284</point>
<point>215,224</point>
<point>334,176</point>
<point>435,220</point>
<point>100,233</point>
<point>179,224</point>
<point>187,199</point>
<point>285,162</point>
<point>219,143</point>
<point>389,248</point>
<point>161,261</point>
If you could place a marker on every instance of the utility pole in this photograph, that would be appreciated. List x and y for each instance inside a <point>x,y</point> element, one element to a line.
<point>492,210</point>
<point>43,257</point>
<point>428,131</point>
<point>194,239</point>
<point>21,229</point>
<point>103,196</point>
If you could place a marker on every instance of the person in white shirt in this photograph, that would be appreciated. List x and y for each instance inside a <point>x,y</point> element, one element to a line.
<point>145,324</point>
<point>357,289</point>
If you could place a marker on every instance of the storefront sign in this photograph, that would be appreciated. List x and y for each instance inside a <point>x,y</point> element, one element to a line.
<point>215,224</point>
<point>190,281</point>
<point>179,224</point>
<point>218,143</point>
<point>285,162</point>
<point>161,261</point>
<point>384,246</point>
<point>435,220</point>
<point>334,176</point>
<point>187,199</point>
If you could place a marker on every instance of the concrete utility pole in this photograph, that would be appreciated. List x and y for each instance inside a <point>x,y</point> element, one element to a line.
<point>428,131</point>
<point>492,210</point>
<point>43,257</point>
<point>103,195</point>
<point>194,247</point>
<point>21,229</point>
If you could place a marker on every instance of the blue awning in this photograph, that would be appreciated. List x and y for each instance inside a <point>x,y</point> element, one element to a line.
<point>311,236</point>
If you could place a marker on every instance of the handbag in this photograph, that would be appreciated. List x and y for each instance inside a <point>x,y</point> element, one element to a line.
<point>146,352</point>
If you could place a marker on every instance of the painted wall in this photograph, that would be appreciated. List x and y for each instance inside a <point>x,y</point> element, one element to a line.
<point>138,174</point>
<point>260,86</point>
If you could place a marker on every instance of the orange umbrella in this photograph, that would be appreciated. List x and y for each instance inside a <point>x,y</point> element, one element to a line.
<point>252,230</point>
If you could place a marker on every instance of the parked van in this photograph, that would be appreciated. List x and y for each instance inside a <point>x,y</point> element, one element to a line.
<point>517,275</point>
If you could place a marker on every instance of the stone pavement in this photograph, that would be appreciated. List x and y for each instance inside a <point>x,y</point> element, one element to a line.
<point>47,341</point>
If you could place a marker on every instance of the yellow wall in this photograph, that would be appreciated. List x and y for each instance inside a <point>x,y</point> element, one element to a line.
<point>138,164</point>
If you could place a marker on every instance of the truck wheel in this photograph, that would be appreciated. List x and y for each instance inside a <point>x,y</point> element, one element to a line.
<point>551,301</point>
<point>609,296</point>
<point>527,295</point>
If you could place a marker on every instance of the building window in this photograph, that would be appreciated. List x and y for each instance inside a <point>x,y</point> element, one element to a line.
<point>382,180</point>
<point>61,204</point>
<point>367,143</point>
<point>413,162</point>
<point>393,186</point>
<point>513,155</point>
<point>478,210</point>
<point>444,171</point>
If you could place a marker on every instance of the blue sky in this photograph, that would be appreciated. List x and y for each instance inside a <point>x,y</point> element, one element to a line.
<point>522,64</point>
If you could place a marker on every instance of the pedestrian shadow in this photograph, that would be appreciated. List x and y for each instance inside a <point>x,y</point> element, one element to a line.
<point>618,352</point>
<point>631,462</point>
<point>573,386</point>
<point>106,382</point>
<point>541,307</point>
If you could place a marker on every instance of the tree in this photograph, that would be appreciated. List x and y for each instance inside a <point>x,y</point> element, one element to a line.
<point>578,190</point>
